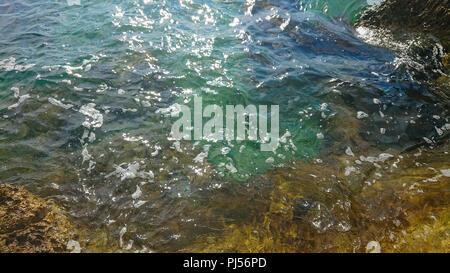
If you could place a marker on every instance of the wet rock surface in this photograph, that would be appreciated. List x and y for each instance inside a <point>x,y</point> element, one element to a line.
<point>416,24</point>
<point>429,16</point>
<point>31,224</point>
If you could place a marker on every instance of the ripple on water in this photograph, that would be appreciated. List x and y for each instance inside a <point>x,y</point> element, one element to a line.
<point>87,88</point>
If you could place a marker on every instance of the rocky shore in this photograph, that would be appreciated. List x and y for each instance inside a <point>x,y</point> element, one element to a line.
<point>429,16</point>
<point>415,20</point>
<point>31,224</point>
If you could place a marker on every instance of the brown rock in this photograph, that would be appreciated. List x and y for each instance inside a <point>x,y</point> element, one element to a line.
<point>31,224</point>
<point>429,16</point>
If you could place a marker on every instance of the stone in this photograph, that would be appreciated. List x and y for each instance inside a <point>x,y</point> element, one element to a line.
<point>417,20</point>
<point>429,16</point>
<point>31,224</point>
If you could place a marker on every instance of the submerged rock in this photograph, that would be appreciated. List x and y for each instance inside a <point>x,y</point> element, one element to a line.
<point>429,16</point>
<point>31,224</point>
<point>399,204</point>
<point>410,28</point>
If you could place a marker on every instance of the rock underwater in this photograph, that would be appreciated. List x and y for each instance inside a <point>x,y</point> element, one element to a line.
<point>397,205</point>
<point>31,224</point>
<point>416,23</point>
<point>429,16</point>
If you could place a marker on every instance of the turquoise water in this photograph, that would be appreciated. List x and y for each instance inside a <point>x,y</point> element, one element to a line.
<point>86,90</point>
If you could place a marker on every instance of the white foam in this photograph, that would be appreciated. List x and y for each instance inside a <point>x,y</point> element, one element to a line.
<point>94,119</point>
<point>59,103</point>
<point>349,170</point>
<point>9,64</point>
<point>130,171</point>
<point>373,247</point>
<point>349,152</point>
<point>21,99</point>
<point>361,115</point>
<point>137,193</point>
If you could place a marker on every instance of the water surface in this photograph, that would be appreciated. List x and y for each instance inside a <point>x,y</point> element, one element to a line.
<point>87,88</point>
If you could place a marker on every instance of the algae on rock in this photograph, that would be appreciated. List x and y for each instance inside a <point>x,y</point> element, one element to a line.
<point>31,224</point>
<point>401,204</point>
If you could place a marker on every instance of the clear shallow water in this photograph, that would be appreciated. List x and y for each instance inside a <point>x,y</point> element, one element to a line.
<point>86,92</point>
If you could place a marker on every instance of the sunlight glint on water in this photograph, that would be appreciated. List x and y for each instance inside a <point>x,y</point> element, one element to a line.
<point>87,90</point>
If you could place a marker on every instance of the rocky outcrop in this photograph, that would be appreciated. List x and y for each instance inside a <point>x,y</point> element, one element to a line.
<point>31,224</point>
<point>411,23</point>
<point>429,16</point>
